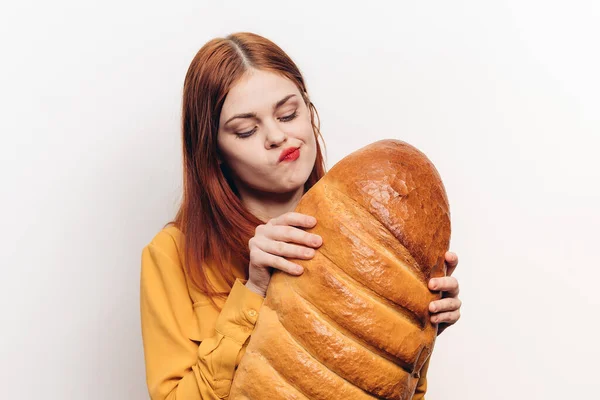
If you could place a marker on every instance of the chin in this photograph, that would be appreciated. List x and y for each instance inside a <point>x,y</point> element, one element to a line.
<point>287,189</point>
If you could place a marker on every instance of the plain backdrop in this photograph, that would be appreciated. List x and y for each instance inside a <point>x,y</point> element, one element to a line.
<point>502,96</point>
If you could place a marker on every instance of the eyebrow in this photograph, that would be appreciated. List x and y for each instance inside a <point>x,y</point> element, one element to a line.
<point>253,115</point>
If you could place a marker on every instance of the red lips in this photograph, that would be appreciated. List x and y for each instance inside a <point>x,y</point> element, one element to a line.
<point>287,152</point>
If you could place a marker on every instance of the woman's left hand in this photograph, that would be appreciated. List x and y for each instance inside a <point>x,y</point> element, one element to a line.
<point>446,311</point>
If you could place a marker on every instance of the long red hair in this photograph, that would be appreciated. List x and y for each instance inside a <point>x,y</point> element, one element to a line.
<point>215,223</point>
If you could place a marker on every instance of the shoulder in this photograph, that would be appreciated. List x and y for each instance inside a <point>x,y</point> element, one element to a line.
<point>168,241</point>
<point>162,266</point>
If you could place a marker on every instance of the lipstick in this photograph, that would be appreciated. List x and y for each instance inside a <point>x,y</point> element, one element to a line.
<point>289,154</point>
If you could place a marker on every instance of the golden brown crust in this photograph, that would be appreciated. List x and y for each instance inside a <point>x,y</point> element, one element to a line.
<point>355,324</point>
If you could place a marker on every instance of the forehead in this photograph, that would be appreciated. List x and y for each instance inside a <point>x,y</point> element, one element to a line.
<point>257,91</point>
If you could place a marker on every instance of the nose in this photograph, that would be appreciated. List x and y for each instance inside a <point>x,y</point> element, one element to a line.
<point>275,136</point>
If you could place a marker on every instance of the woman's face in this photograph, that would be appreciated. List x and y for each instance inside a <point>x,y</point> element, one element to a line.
<point>264,114</point>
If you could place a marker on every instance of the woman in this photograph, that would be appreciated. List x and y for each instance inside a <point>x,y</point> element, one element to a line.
<point>245,108</point>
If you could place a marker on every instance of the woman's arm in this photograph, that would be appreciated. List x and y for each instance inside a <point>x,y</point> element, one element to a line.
<point>176,367</point>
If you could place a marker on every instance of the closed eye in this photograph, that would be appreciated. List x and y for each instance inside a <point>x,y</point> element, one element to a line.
<point>290,117</point>
<point>286,118</point>
<point>243,135</point>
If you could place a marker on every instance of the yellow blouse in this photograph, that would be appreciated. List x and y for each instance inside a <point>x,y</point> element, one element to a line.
<point>191,350</point>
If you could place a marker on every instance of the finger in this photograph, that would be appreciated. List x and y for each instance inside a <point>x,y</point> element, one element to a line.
<point>293,218</point>
<point>447,284</point>
<point>282,264</point>
<point>447,317</point>
<point>451,260</point>
<point>284,249</point>
<point>291,234</point>
<point>264,260</point>
<point>445,305</point>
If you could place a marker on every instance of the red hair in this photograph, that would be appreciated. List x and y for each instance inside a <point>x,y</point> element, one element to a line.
<point>215,223</point>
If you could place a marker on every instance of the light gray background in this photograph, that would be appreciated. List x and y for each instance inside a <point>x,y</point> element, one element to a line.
<point>503,96</point>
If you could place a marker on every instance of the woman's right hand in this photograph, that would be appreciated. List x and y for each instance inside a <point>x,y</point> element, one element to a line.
<point>275,240</point>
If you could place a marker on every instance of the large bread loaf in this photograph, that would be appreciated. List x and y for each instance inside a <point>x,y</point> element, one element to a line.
<point>355,324</point>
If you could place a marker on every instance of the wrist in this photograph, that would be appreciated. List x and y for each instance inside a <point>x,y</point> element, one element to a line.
<point>255,289</point>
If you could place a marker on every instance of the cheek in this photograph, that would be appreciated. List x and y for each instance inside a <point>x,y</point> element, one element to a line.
<point>306,130</point>
<point>246,164</point>
<point>307,118</point>
<point>251,166</point>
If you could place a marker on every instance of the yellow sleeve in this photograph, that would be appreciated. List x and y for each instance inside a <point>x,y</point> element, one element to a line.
<point>422,384</point>
<point>176,366</point>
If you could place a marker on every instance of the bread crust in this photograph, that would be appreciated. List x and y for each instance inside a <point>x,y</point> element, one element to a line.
<point>355,324</point>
